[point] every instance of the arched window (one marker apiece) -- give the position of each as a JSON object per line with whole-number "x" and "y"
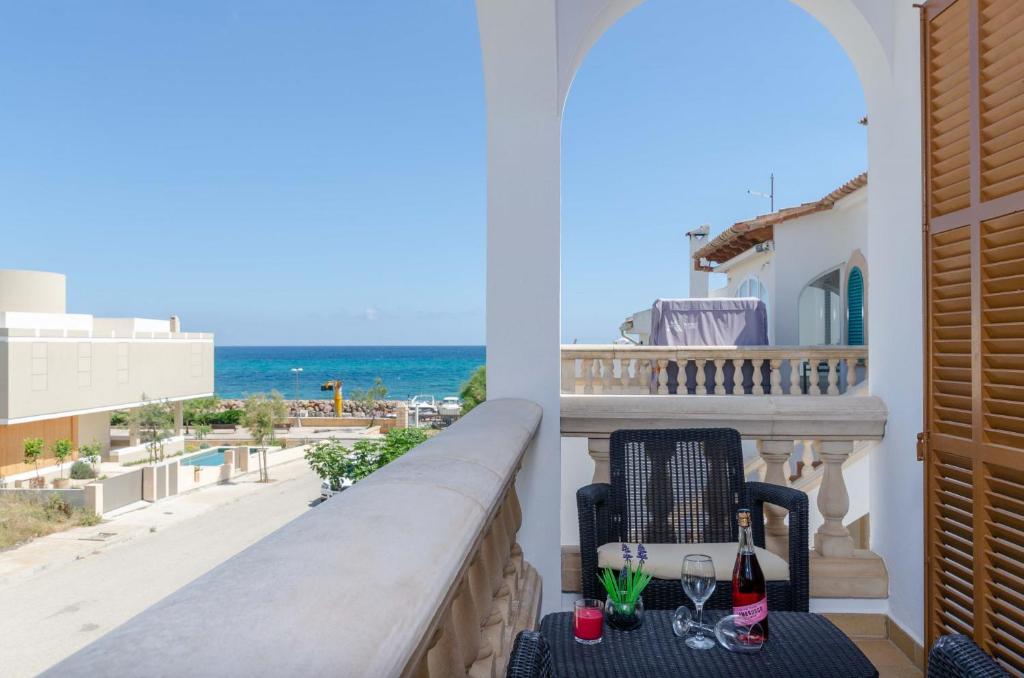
{"x": 752, "y": 287}
{"x": 819, "y": 311}
{"x": 855, "y": 308}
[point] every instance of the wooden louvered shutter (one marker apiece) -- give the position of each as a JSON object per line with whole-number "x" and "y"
{"x": 855, "y": 308}
{"x": 974, "y": 340}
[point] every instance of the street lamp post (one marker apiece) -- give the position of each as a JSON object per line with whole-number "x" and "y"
{"x": 297, "y": 371}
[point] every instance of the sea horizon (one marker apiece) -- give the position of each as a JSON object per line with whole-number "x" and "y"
{"x": 406, "y": 370}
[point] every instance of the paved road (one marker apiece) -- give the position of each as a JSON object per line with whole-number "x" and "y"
{"x": 48, "y": 616}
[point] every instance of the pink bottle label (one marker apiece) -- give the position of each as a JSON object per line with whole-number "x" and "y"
{"x": 752, "y": 613}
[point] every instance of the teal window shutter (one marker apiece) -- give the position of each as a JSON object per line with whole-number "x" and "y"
{"x": 855, "y": 308}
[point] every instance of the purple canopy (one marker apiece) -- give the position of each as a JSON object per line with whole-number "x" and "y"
{"x": 709, "y": 322}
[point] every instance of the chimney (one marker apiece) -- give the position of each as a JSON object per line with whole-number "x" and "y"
{"x": 698, "y": 279}
{"x": 175, "y": 324}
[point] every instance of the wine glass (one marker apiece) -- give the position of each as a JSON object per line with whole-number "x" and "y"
{"x": 698, "y": 579}
{"x": 737, "y": 635}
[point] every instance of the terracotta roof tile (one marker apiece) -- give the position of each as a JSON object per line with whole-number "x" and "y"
{"x": 743, "y": 235}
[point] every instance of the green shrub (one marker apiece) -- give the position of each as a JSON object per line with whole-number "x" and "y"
{"x": 227, "y": 417}
{"x": 330, "y": 460}
{"x": 474, "y": 391}
{"x": 199, "y": 410}
{"x": 119, "y": 418}
{"x": 80, "y": 470}
{"x": 58, "y": 508}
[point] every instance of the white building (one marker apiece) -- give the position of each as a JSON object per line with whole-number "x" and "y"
{"x": 806, "y": 263}
{"x": 61, "y": 374}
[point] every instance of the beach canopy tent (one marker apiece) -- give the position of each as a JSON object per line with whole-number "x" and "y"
{"x": 710, "y": 322}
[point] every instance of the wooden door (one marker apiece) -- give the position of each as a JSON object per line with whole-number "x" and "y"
{"x": 974, "y": 338}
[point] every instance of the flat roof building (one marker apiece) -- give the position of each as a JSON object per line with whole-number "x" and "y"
{"x": 61, "y": 374}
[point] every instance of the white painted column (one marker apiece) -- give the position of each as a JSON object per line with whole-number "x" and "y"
{"x": 134, "y": 438}
{"x": 519, "y": 48}
{"x": 178, "y": 408}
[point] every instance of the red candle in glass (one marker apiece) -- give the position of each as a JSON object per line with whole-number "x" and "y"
{"x": 588, "y": 621}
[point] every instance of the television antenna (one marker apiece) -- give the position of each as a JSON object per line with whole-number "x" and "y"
{"x": 770, "y": 195}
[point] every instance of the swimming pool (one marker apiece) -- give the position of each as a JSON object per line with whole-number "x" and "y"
{"x": 211, "y": 457}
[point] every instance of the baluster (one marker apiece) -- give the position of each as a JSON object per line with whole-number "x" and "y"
{"x": 662, "y": 376}
{"x": 776, "y": 455}
{"x": 776, "y": 376}
{"x": 606, "y": 375}
{"x": 587, "y": 374}
{"x": 643, "y": 366}
{"x": 812, "y": 377}
{"x": 833, "y": 540}
{"x": 701, "y": 377}
{"x": 624, "y": 374}
{"x": 833, "y": 376}
{"x": 445, "y": 655}
{"x": 568, "y": 375}
{"x": 737, "y": 377}
{"x": 851, "y": 373}
{"x": 757, "y": 389}
{"x": 719, "y": 377}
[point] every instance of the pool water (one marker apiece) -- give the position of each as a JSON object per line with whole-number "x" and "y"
{"x": 211, "y": 457}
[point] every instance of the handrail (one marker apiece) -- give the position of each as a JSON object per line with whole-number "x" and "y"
{"x": 711, "y": 370}
{"x": 412, "y": 571}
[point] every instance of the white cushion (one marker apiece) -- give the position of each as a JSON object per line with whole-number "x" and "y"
{"x": 665, "y": 561}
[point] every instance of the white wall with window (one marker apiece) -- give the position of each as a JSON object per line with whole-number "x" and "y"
{"x": 811, "y": 272}
{"x": 820, "y": 310}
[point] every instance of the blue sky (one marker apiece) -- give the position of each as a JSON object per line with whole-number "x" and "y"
{"x": 314, "y": 172}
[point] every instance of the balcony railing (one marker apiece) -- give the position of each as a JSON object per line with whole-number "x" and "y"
{"x": 785, "y": 429}
{"x": 414, "y": 571}
{"x": 711, "y": 370}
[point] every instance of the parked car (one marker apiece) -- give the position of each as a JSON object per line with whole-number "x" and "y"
{"x": 450, "y": 406}
{"x": 328, "y": 488}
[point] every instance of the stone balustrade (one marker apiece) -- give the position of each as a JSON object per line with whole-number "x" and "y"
{"x": 414, "y": 571}
{"x": 711, "y": 370}
{"x": 783, "y": 428}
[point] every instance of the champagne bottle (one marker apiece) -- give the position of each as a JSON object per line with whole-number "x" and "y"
{"x": 749, "y": 596}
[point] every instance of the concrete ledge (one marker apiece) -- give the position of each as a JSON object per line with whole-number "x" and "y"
{"x": 763, "y": 417}
{"x": 861, "y": 576}
{"x": 360, "y": 586}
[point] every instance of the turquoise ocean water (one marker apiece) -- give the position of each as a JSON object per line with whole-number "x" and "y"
{"x": 406, "y": 370}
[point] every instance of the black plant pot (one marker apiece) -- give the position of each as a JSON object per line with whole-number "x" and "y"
{"x": 624, "y": 617}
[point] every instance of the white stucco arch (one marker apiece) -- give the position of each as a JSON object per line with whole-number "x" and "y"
{"x": 531, "y": 50}
{"x": 582, "y": 23}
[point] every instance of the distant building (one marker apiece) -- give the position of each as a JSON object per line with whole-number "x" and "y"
{"x": 61, "y": 374}
{"x": 806, "y": 263}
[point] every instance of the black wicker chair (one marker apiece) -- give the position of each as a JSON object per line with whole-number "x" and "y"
{"x": 684, "y": 486}
{"x": 956, "y": 656}
{"x": 530, "y": 658}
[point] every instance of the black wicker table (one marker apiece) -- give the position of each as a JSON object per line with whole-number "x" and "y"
{"x": 801, "y": 644}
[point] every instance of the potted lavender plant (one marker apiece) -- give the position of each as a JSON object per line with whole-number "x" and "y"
{"x": 624, "y": 608}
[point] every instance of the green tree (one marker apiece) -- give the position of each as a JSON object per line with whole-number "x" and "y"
{"x": 368, "y": 398}
{"x": 33, "y": 450}
{"x": 61, "y": 451}
{"x": 260, "y": 414}
{"x": 474, "y": 391}
{"x": 332, "y": 461}
{"x": 90, "y": 452}
{"x": 199, "y": 413}
{"x": 155, "y": 421}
